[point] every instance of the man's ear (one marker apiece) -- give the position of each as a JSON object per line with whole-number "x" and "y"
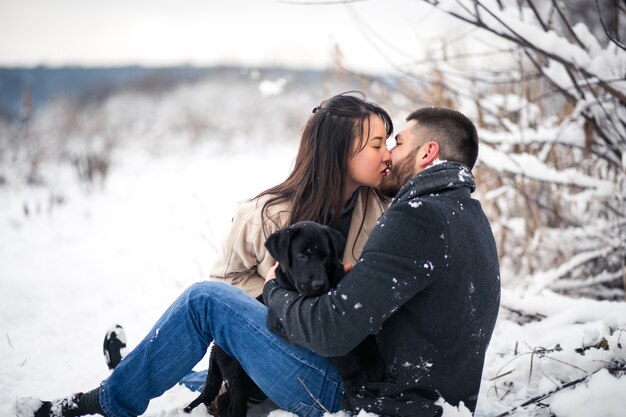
{"x": 427, "y": 154}
{"x": 277, "y": 245}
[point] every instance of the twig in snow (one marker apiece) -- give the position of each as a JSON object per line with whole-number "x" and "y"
{"x": 602, "y": 344}
{"x": 538, "y": 398}
{"x": 619, "y": 344}
{"x": 507, "y": 384}
{"x": 312, "y": 396}
{"x": 541, "y": 352}
{"x": 541, "y": 397}
{"x": 523, "y": 317}
{"x": 9, "y": 340}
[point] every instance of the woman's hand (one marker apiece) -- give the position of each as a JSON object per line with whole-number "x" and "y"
{"x": 347, "y": 267}
{"x": 271, "y": 273}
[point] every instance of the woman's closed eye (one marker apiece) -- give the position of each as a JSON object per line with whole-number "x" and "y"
{"x": 377, "y": 143}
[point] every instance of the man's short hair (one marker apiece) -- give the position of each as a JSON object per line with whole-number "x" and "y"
{"x": 455, "y": 133}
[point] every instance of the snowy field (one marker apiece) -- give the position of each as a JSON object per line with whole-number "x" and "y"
{"x": 122, "y": 254}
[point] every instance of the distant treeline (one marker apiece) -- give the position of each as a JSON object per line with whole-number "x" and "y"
{"x": 24, "y": 90}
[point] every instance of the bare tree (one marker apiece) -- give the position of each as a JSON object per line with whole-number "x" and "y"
{"x": 554, "y": 132}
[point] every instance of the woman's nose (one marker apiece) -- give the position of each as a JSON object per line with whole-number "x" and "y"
{"x": 386, "y": 155}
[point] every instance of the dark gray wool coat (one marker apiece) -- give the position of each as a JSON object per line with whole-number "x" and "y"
{"x": 427, "y": 286}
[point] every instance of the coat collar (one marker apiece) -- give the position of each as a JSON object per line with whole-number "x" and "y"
{"x": 445, "y": 176}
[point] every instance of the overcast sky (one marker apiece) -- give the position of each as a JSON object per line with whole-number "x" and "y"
{"x": 207, "y": 32}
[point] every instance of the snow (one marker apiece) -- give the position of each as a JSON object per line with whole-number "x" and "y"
{"x": 123, "y": 253}
{"x": 607, "y": 403}
{"x": 518, "y": 23}
{"x": 273, "y": 87}
{"x": 75, "y": 259}
{"x": 545, "y": 278}
{"x": 532, "y": 167}
{"x": 119, "y": 255}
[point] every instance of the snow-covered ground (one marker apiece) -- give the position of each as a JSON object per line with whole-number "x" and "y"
{"x": 123, "y": 253}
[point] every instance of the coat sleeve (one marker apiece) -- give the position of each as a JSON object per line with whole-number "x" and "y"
{"x": 402, "y": 257}
{"x": 243, "y": 260}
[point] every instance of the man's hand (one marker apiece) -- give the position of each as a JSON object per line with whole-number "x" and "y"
{"x": 271, "y": 273}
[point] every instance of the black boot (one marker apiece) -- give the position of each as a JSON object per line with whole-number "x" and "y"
{"x": 73, "y": 406}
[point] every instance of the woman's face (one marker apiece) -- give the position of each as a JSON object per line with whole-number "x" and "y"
{"x": 369, "y": 165}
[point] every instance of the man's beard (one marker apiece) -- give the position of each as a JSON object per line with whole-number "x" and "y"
{"x": 399, "y": 175}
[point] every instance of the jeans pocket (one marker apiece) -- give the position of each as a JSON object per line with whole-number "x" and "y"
{"x": 306, "y": 410}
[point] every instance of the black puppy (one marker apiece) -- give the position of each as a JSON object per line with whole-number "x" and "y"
{"x": 310, "y": 264}
{"x": 309, "y": 258}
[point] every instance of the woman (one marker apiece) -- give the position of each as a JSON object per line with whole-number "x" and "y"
{"x": 341, "y": 161}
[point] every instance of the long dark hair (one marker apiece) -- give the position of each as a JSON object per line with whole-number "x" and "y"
{"x": 316, "y": 185}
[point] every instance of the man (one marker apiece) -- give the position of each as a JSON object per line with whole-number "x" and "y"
{"x": 427, "y": 286}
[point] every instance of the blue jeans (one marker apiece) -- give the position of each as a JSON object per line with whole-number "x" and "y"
{"x": 294, "y": 378}
{"x": 194, "y": 380}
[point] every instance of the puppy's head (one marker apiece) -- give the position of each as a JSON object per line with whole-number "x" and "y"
{"x": 308, "y": 254}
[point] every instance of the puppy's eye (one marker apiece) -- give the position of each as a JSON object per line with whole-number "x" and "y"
{"x": 301, "y": 256}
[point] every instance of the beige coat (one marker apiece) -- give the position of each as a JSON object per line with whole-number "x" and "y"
{"x": 243, "y": 260}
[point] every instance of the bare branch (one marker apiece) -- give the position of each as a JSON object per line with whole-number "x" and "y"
{"x": 545, "y": 29}
{"x": 605, "y": 111}
{"x": 567, "y": 24}
{"x": 463, "y": 56}
{"x": 544, "y": 26}
{"x": 367, "y": 29}
{"x": 539, "y": 67}
{"x": 513, "y": 36}
{"x": 542, "y": 397}
{"x": 606, "y": 30}
{"x": 319, "y": 3}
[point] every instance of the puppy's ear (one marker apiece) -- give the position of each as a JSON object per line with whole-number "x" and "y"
{"x": 284, "y": 281}
{"x": 336, "y": 241}
{"x": 277, "y": 245}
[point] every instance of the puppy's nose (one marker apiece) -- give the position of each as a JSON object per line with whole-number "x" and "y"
{"x": 317, "y": 283}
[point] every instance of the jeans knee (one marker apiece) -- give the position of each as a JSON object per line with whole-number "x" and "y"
{"x": 203, "y": 291}
{"x": 198, "y": 301}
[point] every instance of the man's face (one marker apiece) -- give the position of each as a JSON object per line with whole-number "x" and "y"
{"x": 403, "y": 159}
